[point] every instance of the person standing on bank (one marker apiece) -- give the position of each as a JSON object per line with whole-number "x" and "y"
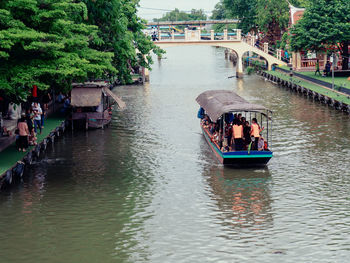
{"x": 255, "y": 132}
{"x": 37, "y": 117}
{"x": 23, "y": 133}
{"x": 317, "y": 66}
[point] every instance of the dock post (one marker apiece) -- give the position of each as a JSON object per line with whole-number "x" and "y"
{"x": 225, "y": 34}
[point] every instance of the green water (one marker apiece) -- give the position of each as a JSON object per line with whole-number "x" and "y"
{"x": 148, "y": 188}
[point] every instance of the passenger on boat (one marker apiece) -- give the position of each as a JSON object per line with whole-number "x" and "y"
{"x": 261, "y": 144}
{"x": 212, "y": 128}
{"x": 238, "y": 134}
{"x": 255, "y": 132}
{"x": 205, "y": 122}
{"x": 227, "y": 137}
{"x": 228, "y": 133}
{"x": 229, "y": 118}
{"x": 246, "y": 134}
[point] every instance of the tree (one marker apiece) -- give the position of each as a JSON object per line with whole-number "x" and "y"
{"x": 268, "y": 16}
{"x": 244, "y": 10}
{"x": 221, "y": 13}
{"x": 121, "y": 32}
{"x": 46, "y": 43}
{"x": 325, "y": 25}
{"x": 272, "y": 18}
{"x": 177, "y": 15}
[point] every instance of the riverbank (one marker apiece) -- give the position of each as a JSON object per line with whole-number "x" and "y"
{"x": 334, "y": 98}
{"x": 13, "y": 162}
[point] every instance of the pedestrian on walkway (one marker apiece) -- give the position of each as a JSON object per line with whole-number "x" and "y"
{"x": 37, "y": 117}
{"x": 327, "y": 69}
{"x": 317, "y": 66}
{"x": 23, "y": 133}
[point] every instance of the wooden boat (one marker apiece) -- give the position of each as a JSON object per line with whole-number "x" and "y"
{"x": 91, "y": 104}
{"x": 218, "y": 105}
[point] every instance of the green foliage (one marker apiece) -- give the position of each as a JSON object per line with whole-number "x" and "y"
{"x": 221, "y": 13}
{"x": 177, "y": 15}
{"x": 121, "y": 33}
{"x": 45, "y": 43}
{"x": 325, "y": 25}
{"x": 250, "y": 70}
{"x": 244, "y": 10}
{"x": 268, "y": 16}
{"x": 52, "y": 43}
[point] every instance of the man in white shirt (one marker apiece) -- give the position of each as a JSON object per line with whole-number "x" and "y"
{"x": 37, "y": 117}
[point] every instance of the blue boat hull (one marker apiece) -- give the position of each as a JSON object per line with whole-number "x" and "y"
{"x": 239, "y": 158}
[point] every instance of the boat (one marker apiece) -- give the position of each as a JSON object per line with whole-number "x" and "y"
{"x": 218, "y": 108}
{"x": 91, "y": 104}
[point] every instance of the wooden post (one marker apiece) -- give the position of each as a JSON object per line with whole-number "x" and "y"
{"x": 225, "y": 34}
{"x": 172, "y": 35}
{"x": 199, "y": 33}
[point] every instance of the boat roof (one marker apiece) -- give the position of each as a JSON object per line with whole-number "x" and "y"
{"x": 217, "y": 102}
{"x": 89, "y": 94}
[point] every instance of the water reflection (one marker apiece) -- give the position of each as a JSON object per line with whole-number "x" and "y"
{"x": 243, "y": 196}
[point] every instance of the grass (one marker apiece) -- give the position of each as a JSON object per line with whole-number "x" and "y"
{"x": 339, "y": 81}
{"x": 313, "y": 87}
{"x": 11, "y": 155}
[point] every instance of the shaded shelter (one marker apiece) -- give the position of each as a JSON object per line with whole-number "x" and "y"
{"x": 217, "y": 102}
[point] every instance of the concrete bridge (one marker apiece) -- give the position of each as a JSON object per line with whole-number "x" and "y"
{"x": 237, "y": 44}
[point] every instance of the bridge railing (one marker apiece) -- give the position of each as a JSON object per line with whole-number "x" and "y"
{"x": 195, "y": 35}
{"x": 198, "y": 35}
{"x": 266, "y": 48}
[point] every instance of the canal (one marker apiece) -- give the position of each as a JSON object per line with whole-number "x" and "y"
{"x": 148, "y": 188}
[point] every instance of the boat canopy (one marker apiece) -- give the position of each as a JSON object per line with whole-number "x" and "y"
{"x": 89, "y": 94}
{"x": 217, "y": 102}
{"x": 86, "y": 97}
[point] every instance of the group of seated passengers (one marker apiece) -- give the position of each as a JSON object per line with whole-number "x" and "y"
{"x": 238, "y": 135}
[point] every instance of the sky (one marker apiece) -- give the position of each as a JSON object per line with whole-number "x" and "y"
{"x": 185, "y": 5}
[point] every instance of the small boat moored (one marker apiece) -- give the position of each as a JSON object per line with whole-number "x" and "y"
{"x": 91, "y": 104}
{"x": 223, "y": 114}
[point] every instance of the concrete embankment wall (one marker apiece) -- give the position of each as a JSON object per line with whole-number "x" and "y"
{"x": 14, "y": 174}
{"x": 308, "y": 92}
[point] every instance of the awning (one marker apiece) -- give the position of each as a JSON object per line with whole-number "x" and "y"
{"x": 86, "y": 97}
{"x": 118, "y": 100}
{"x": 217, "y": 102}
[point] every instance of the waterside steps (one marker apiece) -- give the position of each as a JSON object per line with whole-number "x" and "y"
{"x": 337, "y": 100}
{"x": 13, "y": 163}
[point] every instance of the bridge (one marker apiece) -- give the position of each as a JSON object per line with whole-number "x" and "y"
{"x": 235, "y": 42}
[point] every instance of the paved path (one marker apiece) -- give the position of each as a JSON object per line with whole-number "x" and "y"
{"x": 11, "y": 155}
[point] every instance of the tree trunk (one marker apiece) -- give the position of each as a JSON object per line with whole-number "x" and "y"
{"x": 345, "y": 54}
